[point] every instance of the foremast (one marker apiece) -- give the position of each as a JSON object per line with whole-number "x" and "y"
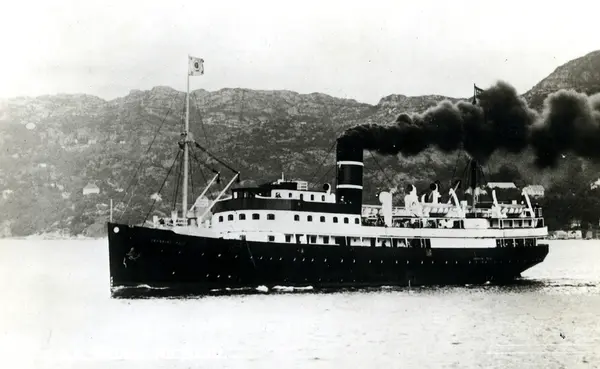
{"x": 195, "y": 68}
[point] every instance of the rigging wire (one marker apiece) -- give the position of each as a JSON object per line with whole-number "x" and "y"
{"x": 177, "y": 185}
{"x": 390, "y": 183}
{"x": 193, "y": 155}
{"x": 455, "y": 166}
{"x": 322, "y": 162}
{"x": 144, "y": 157}
{"x": 192, "y": 182}
{"x": 206, "y": 139}
{"x": 216, "y": 158}
{"x": 162, "y": 185}
{"x": 326, "y": 173}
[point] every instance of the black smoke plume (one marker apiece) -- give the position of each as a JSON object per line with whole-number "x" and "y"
{"x": 502, "y": 120}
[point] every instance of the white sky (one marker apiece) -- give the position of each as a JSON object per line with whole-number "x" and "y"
{"x": 363, "y": 50}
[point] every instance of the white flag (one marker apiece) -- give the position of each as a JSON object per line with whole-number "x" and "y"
{"x": 196, "y": 66}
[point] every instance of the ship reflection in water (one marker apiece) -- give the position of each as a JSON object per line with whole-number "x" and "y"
{"x": 57, "y": 312}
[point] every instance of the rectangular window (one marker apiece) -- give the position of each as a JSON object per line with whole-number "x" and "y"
{"x": 309, "y": 218}
{"x": 313, "y": 239}
{"x": 322, "y": 219}
{"x": 335, "y": 220}
{"x": 297, "y": 217}
{"x": 346, "y": 220}
{"x": 271, "y": 238}
{"x": 255, "y": 216}
{"x": 325, "y": 239}
{"x": 270, "y": 216}
{"x": 288, "y": 238}
{"x": 242, "y": 216}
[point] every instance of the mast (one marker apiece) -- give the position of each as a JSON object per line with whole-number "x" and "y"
{"x": 185, "y": 151}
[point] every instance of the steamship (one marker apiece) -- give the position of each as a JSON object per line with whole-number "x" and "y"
{"x": 283, "y": 233}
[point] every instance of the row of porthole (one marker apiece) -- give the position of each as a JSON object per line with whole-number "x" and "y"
{"x": 309, "y": 218}
{"x": 382, "y": 261}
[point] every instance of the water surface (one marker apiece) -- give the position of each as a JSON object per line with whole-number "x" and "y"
{"x": 56, "y": 312}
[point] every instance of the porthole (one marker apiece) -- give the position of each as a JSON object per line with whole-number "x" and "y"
{"x": 116, "y": 229}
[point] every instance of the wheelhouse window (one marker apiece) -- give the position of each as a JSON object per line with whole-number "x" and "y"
{"x": 297, "y": 217}
{"x": 270, "y": 216}
{"x": 255, "y": 216}
{"x": 335, "y": 219}
{"x": 322, "y": 219}
{"x": 242, "y": 216}
{"x": 230, "y": 217}
{"x": 309, "y": 218}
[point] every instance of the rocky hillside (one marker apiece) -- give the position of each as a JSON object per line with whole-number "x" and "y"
{"x": 51, "y": 147}
{"x": 581, "y": 74}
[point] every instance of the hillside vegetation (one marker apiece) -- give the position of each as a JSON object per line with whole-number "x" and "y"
{"x": 53, "y": 146}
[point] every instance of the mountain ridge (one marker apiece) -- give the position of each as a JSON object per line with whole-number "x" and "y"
{"x": 51, "y": 146}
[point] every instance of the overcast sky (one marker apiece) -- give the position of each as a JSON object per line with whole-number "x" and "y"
{"x": 362, "y": 50}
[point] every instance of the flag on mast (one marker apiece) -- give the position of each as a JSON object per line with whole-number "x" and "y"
{"x": 196, "y": 66}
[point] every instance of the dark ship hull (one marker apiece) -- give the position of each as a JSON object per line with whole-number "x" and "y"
{"x": 155, "y": 258}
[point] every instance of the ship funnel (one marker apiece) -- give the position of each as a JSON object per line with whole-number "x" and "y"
{"x": 349, "y": 178}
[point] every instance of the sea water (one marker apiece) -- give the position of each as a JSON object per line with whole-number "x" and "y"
{"x": 56, "y": 312}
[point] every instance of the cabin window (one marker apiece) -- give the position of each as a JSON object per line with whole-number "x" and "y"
{"x": 340, "y": 241}
{"x": 277, "y": 195}
{"x": 309, "y": 218}
{"x": 270, "y": 216}
{"x": 255, "y": 216}
{"x": 297, "y": 217}
{"x": 290, "y": 195}
{"x": 322, "y": 197}
{"x": 312, "y": 197}
{"x": 301, "y": 197}
{"x": 372, "y": 242}
{"x": 520, "y": 242}
{"x": 242, "y": 216}
{"x": 346, "y": 220}
{"x": 335, "y": 219}
{"x": 230, "y": 217}
{"x": 313, "y": 239}
{"x": 220, "y": 218}
{"x": 325, "y": 239}
{"x": 288, "y": 238}
{"x": 271, "y": 238}
{"x": 322, "y": 219}
{"x": 394, "y": 242}
{"x": 356, "y": 221}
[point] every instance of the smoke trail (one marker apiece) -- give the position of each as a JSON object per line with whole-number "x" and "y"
{"x": 502, "y": 120}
